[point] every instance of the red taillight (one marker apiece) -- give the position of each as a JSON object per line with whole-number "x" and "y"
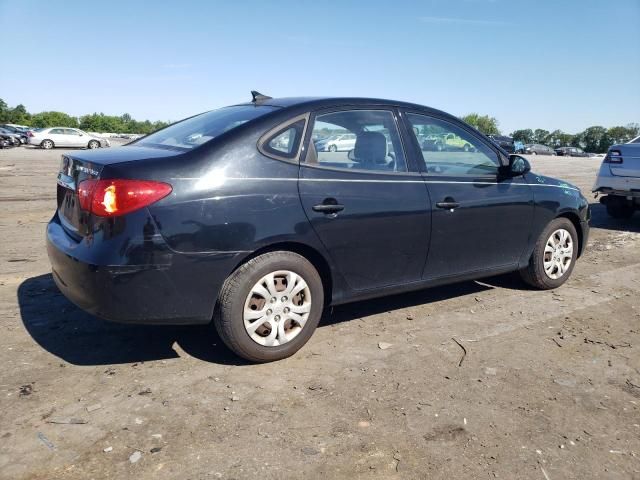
{"x": 111, "y": 198}
{"x": 29, "y": 133}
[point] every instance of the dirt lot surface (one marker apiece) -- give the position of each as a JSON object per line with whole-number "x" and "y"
{"x": 549, "y": 387}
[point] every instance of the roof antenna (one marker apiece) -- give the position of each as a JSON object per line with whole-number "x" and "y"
{"x": 258, "y": 97}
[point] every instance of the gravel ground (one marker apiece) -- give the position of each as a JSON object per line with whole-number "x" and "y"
{"x": 549, "y": 387}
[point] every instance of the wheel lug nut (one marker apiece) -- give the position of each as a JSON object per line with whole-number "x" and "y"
{"x": 273, "y": 299}
{"x": 284, "y": 299}
{"x": 286, "y": 310}
{"x": 269, "y": 312}
{"x": 277, "y": 318}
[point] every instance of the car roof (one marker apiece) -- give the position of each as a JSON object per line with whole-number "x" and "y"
{"x": 313, "y": 103}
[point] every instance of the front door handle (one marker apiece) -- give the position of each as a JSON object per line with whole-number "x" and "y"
{"x": 448, "y": 203}
{"x": 329, "y": 205}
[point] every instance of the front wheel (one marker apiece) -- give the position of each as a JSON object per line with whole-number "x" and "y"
{"x": 93, "y": 144}
{"x": 47, "y": 144}
{"x": 553, "y": 257}
{"x": 270, "y": 306}
{"x": 333, "y": 148}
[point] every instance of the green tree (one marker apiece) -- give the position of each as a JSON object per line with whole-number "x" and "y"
{"x": 558, "y": 138}
{"x": 540, "y": 136}
{"x": 595, "y": 139}
{"x": 486, "y": 124}
{"x": 53, "y": 119}
{"x": 623, "y": 134}
{"x": 19, "y": 115}
{"x": 524, "y": 136}
{"x": 4, "y": 111}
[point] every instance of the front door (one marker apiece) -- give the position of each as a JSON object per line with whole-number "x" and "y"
{"x": 480, "y": 220}
{"x": 369, "y": 209}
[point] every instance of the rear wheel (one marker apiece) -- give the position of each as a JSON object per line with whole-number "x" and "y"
{"x": 553, "y": 257}
{"x": 333, "y": 148}
{"x": 94, "y": 144}
{"x": 270, "y": 306}
{"x": 47, "y": 144}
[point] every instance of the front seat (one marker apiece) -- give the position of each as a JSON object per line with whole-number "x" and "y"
{"x": 371, "y": 151}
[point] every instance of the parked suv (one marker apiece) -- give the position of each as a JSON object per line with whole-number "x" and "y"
{"x": 619, "y": 180}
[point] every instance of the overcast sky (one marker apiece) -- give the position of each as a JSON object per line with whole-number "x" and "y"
{"x": 540, "y": 64}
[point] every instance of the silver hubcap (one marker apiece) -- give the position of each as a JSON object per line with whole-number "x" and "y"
{"x": 277, "y": 308}
{"x": 558, "y": 254}
{"x": 47, "y": 144}
{"x": 93, "y": 145}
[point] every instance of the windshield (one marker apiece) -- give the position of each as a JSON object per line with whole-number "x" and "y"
{"x": 197, "y": 130}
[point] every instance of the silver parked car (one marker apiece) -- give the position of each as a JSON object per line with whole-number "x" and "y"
{"x": 619, "y": 179}
{"x": 65, "y": 137}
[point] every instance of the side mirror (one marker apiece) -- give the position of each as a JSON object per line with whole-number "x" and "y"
{"x": 517, "y": 166}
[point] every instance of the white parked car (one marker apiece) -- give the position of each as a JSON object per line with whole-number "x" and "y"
{"x": 337, "y": 143}
{"x": 65, "y": 137}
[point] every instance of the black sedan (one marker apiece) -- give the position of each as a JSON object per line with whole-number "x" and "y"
{"x": 570, "y": 152}
{"x": 233, "y": 215}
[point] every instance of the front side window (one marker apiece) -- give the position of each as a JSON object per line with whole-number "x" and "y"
{"x": 57, "y": 131}
{"x": 449, "y": 150}
{"x": 195, "y": 131}
{"x": 357, "y": 139}
{"x": 69, "y": 131}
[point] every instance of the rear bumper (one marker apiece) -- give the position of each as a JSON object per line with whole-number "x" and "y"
{"x": 169, "y": 288}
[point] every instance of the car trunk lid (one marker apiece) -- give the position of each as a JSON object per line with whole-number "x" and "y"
{"x": 72, "y": 172}
{"x": 87, "y": 165}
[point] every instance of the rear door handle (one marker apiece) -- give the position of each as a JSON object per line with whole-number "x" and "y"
{"x": 448, "y": 203}
{"x": 329, "y": 205}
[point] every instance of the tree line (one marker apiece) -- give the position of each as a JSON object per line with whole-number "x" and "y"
{"x": 594, "y": 139}
{"x": 95, "y": 122}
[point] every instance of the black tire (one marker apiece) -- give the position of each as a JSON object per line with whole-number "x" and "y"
{"x": 47, "y": 144}
{"x": 534, "y": 274}
{"x": 619, "y": 210}
{"x": 93, "y": 144}
{"x": 467, "y": 147}
{"x": 229, "y": 319}
{"x": 534, "y": 153}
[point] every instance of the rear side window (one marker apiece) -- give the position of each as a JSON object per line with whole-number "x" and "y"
{"x": 195, "y": 131}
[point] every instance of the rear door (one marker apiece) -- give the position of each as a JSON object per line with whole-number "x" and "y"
{"x": 368, "y": 205}
{"x": 480, "y": 220}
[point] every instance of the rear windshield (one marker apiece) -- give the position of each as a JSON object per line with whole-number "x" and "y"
{"x": 197, "y": 130}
